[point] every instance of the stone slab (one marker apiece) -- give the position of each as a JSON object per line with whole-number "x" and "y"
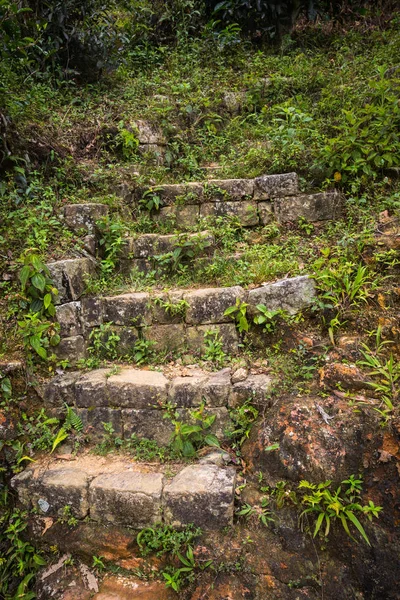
{"x": 167, "y": 338}
{"x": 135, "y": 388}
{"x": 130, "y": 498}
{"x": 71, "y": 348}
{"x": 69, "y": 277}
{"x": 68, "y": 315}
{"x": 207, "y": 305}
{"x": 312, "y": 207}
{"x": 200, "y": 494}
{"x": 292, "y": 294}
{"x": 91, "y": 389}
{"x": 50, "y": 492}
{"x": 275, "y": 186}
{"x": 150, "y": 424}
{"x": 84, "y": 216}
{"x": 182, "y": 217}
{"x": 127, "y": 309}
{"x": 245, "y": 211}
{"x": 232, "y": 189}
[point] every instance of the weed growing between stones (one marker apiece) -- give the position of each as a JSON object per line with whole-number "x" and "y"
{"x": 324, "y": 505}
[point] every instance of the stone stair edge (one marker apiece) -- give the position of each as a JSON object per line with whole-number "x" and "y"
{"x": 122, "y": 491}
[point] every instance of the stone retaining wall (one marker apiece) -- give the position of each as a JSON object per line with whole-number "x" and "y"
{"x": 135, "y": 315}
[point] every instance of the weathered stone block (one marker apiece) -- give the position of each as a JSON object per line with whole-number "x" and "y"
{"x": 183, "y": 217}
{"x": 255, "y": 388}
{"x": 149, "y": 133}
{"x": 187, "y": 391}
{"x": 91, "y": 389}
{"x": 93, "y": 419}
{"x": 71, "y": 348}
{"x": 227, "y": 332}
{"x": 164, "y": 315}
{"x": 84, "y": 216}
{"x": 232, "y": 189}
{"x": 167, "y": 338}
{"x": 199, "y": 386}
{"x": 60, "y": 390}
{"x": 130, "y": 498}
{"x": 207, "y": 305}
{"x": 313, "y": 207}
{"x": 70, "y": 277}
{"x": 133, "y": 388}
{"x": 140, "y": 264}
{"x": 150, "y": 244}
{"x": 216, "y": 391}
{"x": 68, "y": 315}
{"x": 127, "y": 309}
{"x": 245, "y": 211}
{"x": 266, "y": 213}
{"x": 292, "y": 294}
{"x": 91, "y": 312}
{"x": 275, "y": 186}
{"x": 182, "y": 193}
{"x": 52, "y": 491}
{"x": 200, "y": 494}
{"x": 150, "y": 424}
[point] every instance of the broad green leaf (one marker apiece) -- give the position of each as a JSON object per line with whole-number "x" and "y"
{"x": 357, "y": 524}
{"x": 211, "y": 440}
{"x": 47, "y": 300}
{"x": 60, "y": 437}
{"x": 24, "y": 275}
{"x": 39, "y": 281}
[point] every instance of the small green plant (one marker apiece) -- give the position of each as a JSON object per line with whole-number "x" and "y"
{"x": 127, "y": 140}
{"x": 243, "y": 418}
{"x": 264, "y": 515}
{"x": 186, "y": 250}
{"x": 213, "y": 347}
{"x": 19, "y": 559}
{"x": 269, "y": 318}
{"x": 178, "y": 577}
{"x": 173, "y": 308}
{"x": 111, "y": 241}
{"x": 188, "y": 439}
{"x": 385, "y": 372}
{"x": 72, "y": 420}
{"x": 66, "y": 516}
{"x": 238, "y": 312}
{"x": 305, "y": 226}
{"x": 342, "y": 504}
{"x": 143, "y": 351}
{"x": 162, "y": 539}
{"x": 37, "y": 286}
{"x": 104, "y": 344}
{"x": 345, "y": 285}
{"x": 39, "y": 335}
{"x": 151, "y": 200}
{"x": 97, "y": 563}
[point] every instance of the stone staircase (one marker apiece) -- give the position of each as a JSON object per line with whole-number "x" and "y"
{"x": 117, "y": 490}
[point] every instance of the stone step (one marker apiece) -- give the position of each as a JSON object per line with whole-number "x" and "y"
{"x": 152, "y": 250}
{"x": 135, "y": 401}
{"x": 118, "y": 491}
{"x": 253, "y": 202}
{"x": 175, "y": 321}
